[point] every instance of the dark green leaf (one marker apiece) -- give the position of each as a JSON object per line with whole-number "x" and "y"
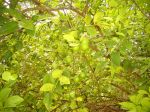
{"x": 8, "y": 28}
{"x": 13, "y": 101}
{"x": 115, "y": 58}
{"x": 4, "y": 93}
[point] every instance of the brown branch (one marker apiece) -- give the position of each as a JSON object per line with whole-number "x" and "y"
{"x": 75, "y": 9}
{"x": 36, "y": 2}
{"x": 99, "y": 29}
{"x": 85, "y": 10}
{"x": 43, "y": 9}
{"x": 49, "y": 10}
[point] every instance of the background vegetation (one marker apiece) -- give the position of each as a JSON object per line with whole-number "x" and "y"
{"x": 74, "y": 55}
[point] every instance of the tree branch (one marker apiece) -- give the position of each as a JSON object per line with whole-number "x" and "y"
{"x": 43, "y": 9}
{"x": 85, "y": 10}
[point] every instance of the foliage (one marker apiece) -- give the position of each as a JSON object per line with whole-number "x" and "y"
{"x": 7, "y": 101}
{"x": 73, "y": 55}
{"x": 138, "y": 103}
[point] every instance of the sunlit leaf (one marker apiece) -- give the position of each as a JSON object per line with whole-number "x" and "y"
{"x": 97, "y": 17}
{"x": 47, "y": 87}
{"x": 57, "y": 73}
{"x": 91, "y": 30}
{"x": 79, "y": 99}
{"x": 84, "y": 43}
{"x": 70, "y": 37}
{"x": 113, "y": 3}
{"x": 88, "y": 19}
{"x": 127, "y": 105}
{"x": 64, "y": 80}
{"x": 42, "y": 1}
{"x": 146, "y": 103}
{"x": 7, "y": 76}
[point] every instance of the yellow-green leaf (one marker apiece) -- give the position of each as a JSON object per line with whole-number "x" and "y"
{"x": 42, "y": 1}
{"x": 70, "y": 37}
{"x": 84, "y": 43}
{"x": 8, "y": 76}
{"x": 147, "y": 29}
{"x": 97, "y": 17}
{"x": 57, "y": 73}
{"x": 79, "y": 99}
{"x": 88, "y": 19}
{"x": 91, "y": 30}
{"x": 113, "y": 3}
{"x": 47, "y": 87}
{"x": 64, "y": 80}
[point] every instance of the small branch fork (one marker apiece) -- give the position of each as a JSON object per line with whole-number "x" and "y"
{"x": 44, "y": 8}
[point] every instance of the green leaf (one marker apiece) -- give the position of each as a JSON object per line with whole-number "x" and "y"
{"x": 42, "y": 1}
{"x": 64, "y": 80}
{"x": 7, "y": 76}
{"x": 79, "y": 99}
{"x": 13, "y": 101}
{"x": 97, "y": 17}
{"x": 83, "y": 110}
{"x": 120, "y": 34}
{"x": 4, "y": 93}
{"x": 142, "y": 92}
{"x": 70, "y": 37}
{"x": 88, "y": 19}
{"x": 8, "y": 28}
{"x": 115, "y": 58}
{"x": 47, "y": 87}
{"x": 84, "y": 43}
{"x": 127, "y": 105}
{"x": 113, "y": 3}
{"x": 47, "y": 79}
{"x": 47, "y": 100}
{"x": 27, "y": 24}
{"x": 146, "y": 102}
{"x": 136, "y": 98}
{"x": 91, "y": 30}
{"x": 57, "y": 73}
{"x": 147, "y": 29}
{"x": 73, "y": 105}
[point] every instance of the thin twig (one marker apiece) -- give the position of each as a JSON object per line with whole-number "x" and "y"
{"x": 85, "y": 10}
